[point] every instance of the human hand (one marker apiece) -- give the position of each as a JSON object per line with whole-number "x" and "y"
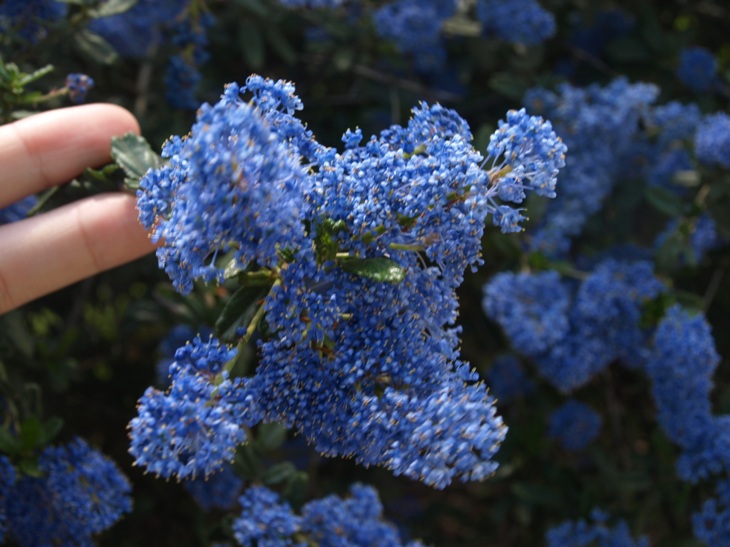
{"x": 41, "y": 254}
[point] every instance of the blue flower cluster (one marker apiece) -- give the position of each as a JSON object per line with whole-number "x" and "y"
{"x": 712, "y": 142}
{"x": 680, "y": 366}
{"x": 574, "y": 424}
{"x": 7, "y": 481}
{"x": 30, "y": 18}
{"x": 697, "y": 237}
{"x": 573, "y": 331}
{"x": 135, "y": 31}
{"x": 415, "y": 28}
{"x": 697, "y": 69}
{"x": 518, "y": 21}
{"x": 712, "y": 523}
{"x": 600, "y": 126}
{"x": 355, "y": 521}
{"x": 78, "y": 86}
{"x": 79, "y": 494}
{"x": 361, "y": 366}
{"x": 190, "y": 37}
{"x": 598, "y": 533}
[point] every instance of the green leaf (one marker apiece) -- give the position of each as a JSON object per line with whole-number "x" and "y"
{"x": 9, "y": 443}
{"x": 135, "y": 156}
{"x": 663, "y": 200}
{"x": 280, "y": 44}
{"x": 278, "y": 473}
{"x": 95, "y": 47}
{"x": 296, "y": 487}
{"x": 252, "y": 44}
{"x": 248, "y": 462}
{"x": 239, "y": 310}
{"x": 271, "y": 436}
{"x": 50, "y": 429}
{"x": 112, "y": 7}
{"x": 31, "y": 433}
{"x": 382, "y": 270}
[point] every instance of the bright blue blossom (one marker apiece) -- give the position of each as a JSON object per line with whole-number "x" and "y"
{"x": 361, "y": 368}
{"x": 574, "y": 424}
{"x": 712, "y": 142}
{"x": 78, "y": 86}
{"x": 518, "y": 21}
{"x": 80, "y": 494}
{"x": 697, "y": 69}
{"x": 355, "y": 521}
{"x": 598, "y": 533}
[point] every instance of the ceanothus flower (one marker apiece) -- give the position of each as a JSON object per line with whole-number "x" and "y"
{"x": 354, "y": 521}
{"x": 220, "y": 490}
{"x": 711, "y": 524}
{"x": 697, "y": 69}
{"x": 712, "y": 142}
{"x": 18, "y": 210}
{"x": 78, "y": 86}
{"x": 80, "y": 494}
{"x": 583, "y": 533}
{"x": 517, "y": 21}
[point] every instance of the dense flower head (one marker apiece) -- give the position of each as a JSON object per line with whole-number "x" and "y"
{"x": 193, "y": 429}
{"x": 80, "y": 494}
{"x": 78, "y": 86}
{"x": 518, "y": 21}
{"x": 135, "y": 31}
{"x": 360, "y": 365}
{"x": 415, "y": 28}
{"x": 30, "y": 17}
{"x": 532, "y": 309}
{"x": 245, "y": 198}
{"x": 584, "y": 533}
{"x": 574, "y": 424}
{"x": 680, "y": 366}
{"x": 712, "y": 142}
{"x": 600, "y": 126}
{"x": 355, "y": 521}
{"x": 697, "y": 69}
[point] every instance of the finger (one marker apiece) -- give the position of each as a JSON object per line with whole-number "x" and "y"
{"x": 44, "y": 253}
{"x": 50, "y": 148}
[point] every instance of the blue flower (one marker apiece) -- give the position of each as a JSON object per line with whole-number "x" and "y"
{"x": 220, "y": 490}
{"x": 582, "y": 533}
{"x": 697, "y": 69}
{"x": 78, "y": 86}
{"x": 18, "y": 210}
{"x": 518, "y": 21}
{"x": 80, "y": 494}
{"x": 712, "y": 142}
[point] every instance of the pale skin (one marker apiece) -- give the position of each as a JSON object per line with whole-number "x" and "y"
{"x": 44, "y": 253}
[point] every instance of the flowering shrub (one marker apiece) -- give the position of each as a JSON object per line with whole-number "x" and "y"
{"x": 431, "y": 273}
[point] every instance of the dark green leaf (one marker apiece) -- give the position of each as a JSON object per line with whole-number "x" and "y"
{"x": 252, "y": 44}
{"x": 31, "y": 433}
{"x": 95, "y": 47}
{"x": 248, "y": 462}
{"x": 112, "y": 7}
{"x": 382, "y": 270}
{"x": 50, "y": 429}
{"x": 663, "y": 200}
{"x": 279, "y": 473}
{"x": 296, "y": 487}
{"x": 280, "y": 43}
{"x": 135, "y": 156}
{"x": 271, "y": 436}
{"x": 9, "y": 443}
{"x": 239, "y": 310}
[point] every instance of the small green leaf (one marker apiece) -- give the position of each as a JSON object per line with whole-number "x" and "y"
{"x": 95, "y": 47}
{"x": 296, "y": 487}
{"x": 112, "y": 7}
{"x": 9, "y": 443}
{"x": 239, "y": 310}
{"x": 135, "y": 156}
{"x": 382, "y": 270}
{"x": 663, "y": 200}
{"x": 279, "y": 473}
{"x": 271, "y": 436}
{"x": 252, "y": 44}
{"x": 248, "y": 462}
{"x": 31, "y": 433}
{"x": 50, "y": 429}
